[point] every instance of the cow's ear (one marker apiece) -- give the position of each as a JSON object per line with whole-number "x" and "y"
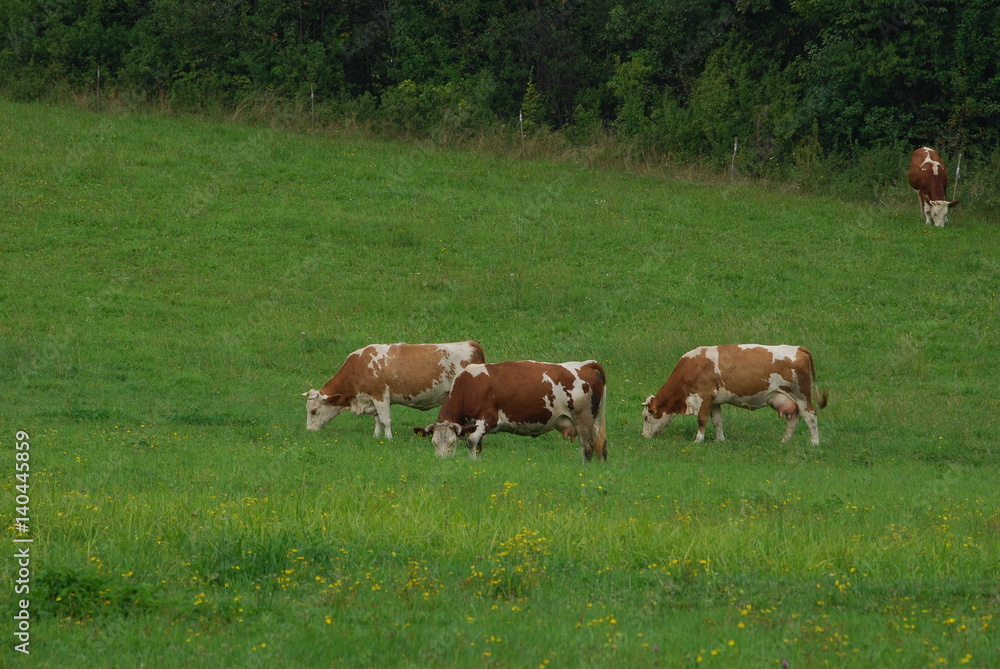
{"x": 424, "y": 431}
{"x": 466, "y": 430}
{"x": 953, "y": 203}
{"x": 332, "y": 399}
{"x": 649, "y": 401}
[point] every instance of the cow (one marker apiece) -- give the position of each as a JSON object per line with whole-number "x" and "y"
{"x": 930, "y": 179}
{"x": 377, "y": 376}
{"x": 523, "y": 397}
{"x": 746, "y": 375}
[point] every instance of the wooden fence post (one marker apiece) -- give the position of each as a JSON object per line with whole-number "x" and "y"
{"x": 732, "y": 165}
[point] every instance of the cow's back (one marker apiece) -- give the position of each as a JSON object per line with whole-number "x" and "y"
{"x": 408, "y": 370}
{"x": 518, "y": 389}
{"x": 512, "y": 381}
{"x": 522, "y": 390}
{"x": 928, "y": 175}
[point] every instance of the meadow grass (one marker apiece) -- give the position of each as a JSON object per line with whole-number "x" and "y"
{"x": 170, "y": 287}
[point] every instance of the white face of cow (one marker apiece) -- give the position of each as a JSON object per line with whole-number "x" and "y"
{"x": 937, "y": 211}
{"x": 651, "y": 425}
{"x": 444, "y": 439}
{"x": 318, "y": 412}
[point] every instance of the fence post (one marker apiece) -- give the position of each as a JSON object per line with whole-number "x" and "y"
{"x": 958, "y": 171}
{"x": 732, "y": 165}
{"x": 520, "y": 123}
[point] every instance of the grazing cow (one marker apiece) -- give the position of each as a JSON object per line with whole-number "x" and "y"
{"x": 377, "y": 376}
{"x": 524, "y": 397}
{"x": 745, "y": 375}
{"x": 930, "y": 179}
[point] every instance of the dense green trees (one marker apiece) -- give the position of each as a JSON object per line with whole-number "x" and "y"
{"x": 793, "y": 80}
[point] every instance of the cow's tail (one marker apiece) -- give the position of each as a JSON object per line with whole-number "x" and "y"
{"x": 821, "y": 395}
{"x": 600, "y": 424}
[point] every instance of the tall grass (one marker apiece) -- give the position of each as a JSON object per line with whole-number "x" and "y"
{"x": 172, "y": 285}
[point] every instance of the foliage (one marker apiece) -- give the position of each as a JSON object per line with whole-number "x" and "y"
{"x": 681, "y": 79}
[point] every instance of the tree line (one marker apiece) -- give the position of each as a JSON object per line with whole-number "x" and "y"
{"x": 796, "y": 81}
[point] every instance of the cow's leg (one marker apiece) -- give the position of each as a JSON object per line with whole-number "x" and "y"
{"x": 475, "y": 446}
{"x": 717, "y": 422}
{"x": 475, "y": 439}
{"x": 791, "y": 422}
{"x": 383, "y": 419}
{"x": 702, "y": 422}
{"x": 703, "y": 414}
{"x": 792, "y": 409}
{"x": 789, "y": 409}
{"x": 925, "y": 209}
{"x": 813, "y": 423}
{"x": 585, "y": 430}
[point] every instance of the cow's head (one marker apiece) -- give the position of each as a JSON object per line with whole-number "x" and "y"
{"x": 320, "y": 409}
{"x": 937, "y": 211}
{"x": 443, "y": 436}
{"x": 654, "y": 418}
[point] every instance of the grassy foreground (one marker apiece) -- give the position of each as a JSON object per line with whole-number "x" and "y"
{"x": 170, "y": 286}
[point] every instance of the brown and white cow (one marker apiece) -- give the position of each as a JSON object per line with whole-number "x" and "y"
{"x": 930, "y": 179}
{"x": 375, "y": 377}
{"x": 523, "y": 397}
{"x": 745, "y": 375}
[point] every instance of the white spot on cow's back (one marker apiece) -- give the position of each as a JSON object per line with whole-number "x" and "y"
{"x": 379, "y": 357}
{"x": 712, "y": 353}
{"x": 935, "y": 165}
{"x": 784, "y": 352}
{"x": 708, "y": 352}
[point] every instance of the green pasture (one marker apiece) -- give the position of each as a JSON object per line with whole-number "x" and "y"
{"x": 170, "y": 286}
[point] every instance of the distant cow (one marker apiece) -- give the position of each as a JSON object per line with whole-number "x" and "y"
{"x": 930, "y": 179}
{"x": 525, "y": 397}
{"x": 746, "y": 375}
{"x": 377, "y": 376}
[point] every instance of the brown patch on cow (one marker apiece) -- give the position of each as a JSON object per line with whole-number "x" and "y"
{"x": 747, "y": 371}
{"x": 522, "y": 391}
{"x": 410, "y": 370}
{"x": 342, "y": 386}
{"x": 930, "y": 183}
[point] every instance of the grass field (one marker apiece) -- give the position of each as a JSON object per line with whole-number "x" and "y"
{"x": 170, "y": 286}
